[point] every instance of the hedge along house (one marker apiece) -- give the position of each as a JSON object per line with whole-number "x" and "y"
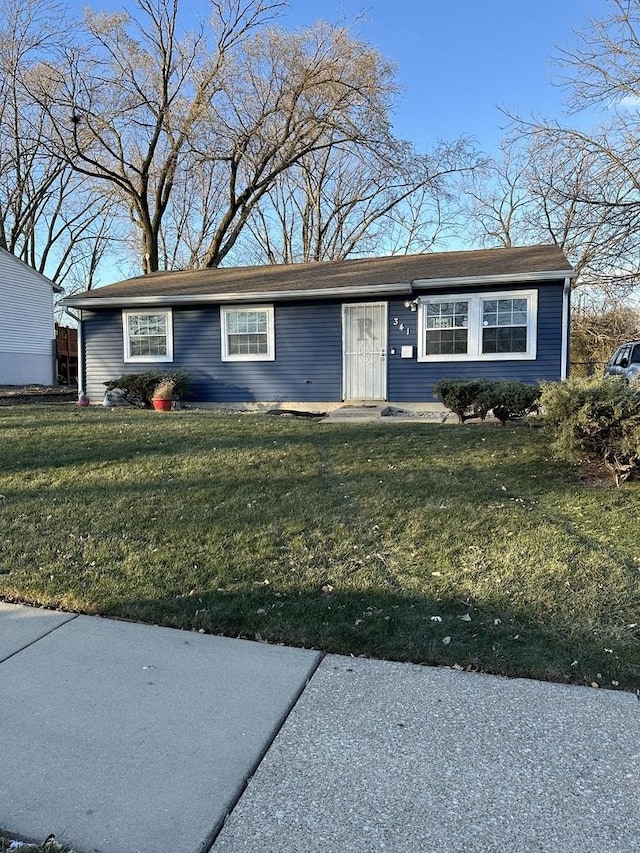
{"x": 317, "y": 334}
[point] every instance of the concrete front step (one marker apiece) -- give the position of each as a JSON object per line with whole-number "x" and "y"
{"x": 350, "y": 413}
{"x": 372, "y": 412}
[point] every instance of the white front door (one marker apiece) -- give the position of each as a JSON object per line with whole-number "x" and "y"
{"x": 364, "y": 351}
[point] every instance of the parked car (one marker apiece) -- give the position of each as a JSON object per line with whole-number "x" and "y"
{"x": 625, "y": 361}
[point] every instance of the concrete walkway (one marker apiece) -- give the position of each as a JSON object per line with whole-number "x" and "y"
{"x": 125, "y": 738}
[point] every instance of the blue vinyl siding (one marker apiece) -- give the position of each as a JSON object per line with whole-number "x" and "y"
{"x": 307, "y": 365}
{"x": 307, "y": 368}
{"x": 308, "y": 345}
{"x": 413, "y": 381}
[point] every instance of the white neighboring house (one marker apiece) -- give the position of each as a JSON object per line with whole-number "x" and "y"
{"x": 27, "y": 328}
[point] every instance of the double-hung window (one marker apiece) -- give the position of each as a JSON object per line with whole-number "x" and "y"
{"x": 504, "y": 325}
{"x": 479, "y": 326}
{"x": 247, "y": 333}
{"x": 446, "y": 327}
{"x": 148, "y": 335}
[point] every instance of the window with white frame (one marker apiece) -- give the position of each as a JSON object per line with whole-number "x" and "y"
{"x": 504, "y": 325}
{"x": 446, "y": 328}
{"x": 481, "y": 326}
{"x": 247, "y": 333}
{"x": 148, "y": 335}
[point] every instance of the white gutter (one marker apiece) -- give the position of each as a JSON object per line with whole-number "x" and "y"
{"x": 503, "y": 278}
{"x": 233, "y": 296}
{"x": 564, "y": 346}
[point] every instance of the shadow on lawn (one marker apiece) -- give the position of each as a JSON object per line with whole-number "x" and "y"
{"x": 430, "y": 474}
{"x": 95, "y": 437}
{"x": 400, "y": 628}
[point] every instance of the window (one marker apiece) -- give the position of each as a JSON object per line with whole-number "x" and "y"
{"x": 482, "y": 326}
{"x": 623, "y": 352}
{"x": 504, "y": 325}
{"x": 148, "y": 335}
{"x": 446, "y": 331}
{"x": 247, "y": 333}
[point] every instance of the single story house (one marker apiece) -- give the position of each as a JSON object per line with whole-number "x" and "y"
{"x": 319, "y": 334}
{"x": 27, "y": 330}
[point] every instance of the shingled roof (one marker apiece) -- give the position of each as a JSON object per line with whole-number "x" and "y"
{"x": 397, "y": 274}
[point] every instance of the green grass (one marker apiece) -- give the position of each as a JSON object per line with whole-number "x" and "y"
{"x": 364, "y": 539}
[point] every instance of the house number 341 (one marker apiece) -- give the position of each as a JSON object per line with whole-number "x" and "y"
{"x": 401, "y": 326}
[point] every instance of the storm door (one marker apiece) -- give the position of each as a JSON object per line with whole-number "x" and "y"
{"x": 364, "y": 351}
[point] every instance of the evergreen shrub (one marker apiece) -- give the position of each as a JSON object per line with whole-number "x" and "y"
{"x": 475, "y": 398}
{"x": 595, "y": 420}
{"x": 139, "y": 388}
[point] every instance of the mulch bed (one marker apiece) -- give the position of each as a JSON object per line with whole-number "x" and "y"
{"x": 13, "y": 395}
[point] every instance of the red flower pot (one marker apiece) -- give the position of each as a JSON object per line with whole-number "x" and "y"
{"x": 162, "y": 405}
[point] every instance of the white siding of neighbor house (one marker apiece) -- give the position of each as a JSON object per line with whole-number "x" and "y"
{"x": 27, "y": 328}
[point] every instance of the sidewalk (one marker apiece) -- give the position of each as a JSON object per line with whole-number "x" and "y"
{"x": 126, "y": 738}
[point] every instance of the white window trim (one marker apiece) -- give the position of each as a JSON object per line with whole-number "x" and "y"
{"x": 127, "y": 341}
{"x": 270, "y": 355}
{"x": 474, "y": 328}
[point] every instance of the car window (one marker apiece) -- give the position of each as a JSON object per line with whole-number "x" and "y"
{"x": 635, "y": 354}
{"x": 623, "y": 352}
{"x": 613, "y": 358}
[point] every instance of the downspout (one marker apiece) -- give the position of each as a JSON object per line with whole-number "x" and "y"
{"x": 78, "y": 320}
{"x": 564, "y": 347}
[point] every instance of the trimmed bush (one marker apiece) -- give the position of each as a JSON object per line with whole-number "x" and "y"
{"x": 465, "y": 397}
{"x": 140, "y": 387}
{"x": 475, "y": 398}
{"x": 511, "y": 400}
{"x": 595, "y": 420}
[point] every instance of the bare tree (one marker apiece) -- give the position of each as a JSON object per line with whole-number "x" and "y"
{"x": 288, "y": 98}
{"x": 549, "y": 187}
{"x": 49, "y": 217}
{"x": 128, "y": 102}
{"x": 346, "y": 199}
{"x": 597, "y": 329}
{"x": 587, "y": 204}
{"x": 586, "y": 183}
{"x": 496, "y": 196}
{"x": 603, "y": 69}
{"x": 190, "y": 138}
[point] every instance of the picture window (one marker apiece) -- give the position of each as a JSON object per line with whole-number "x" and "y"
{"x": 478, "y": 327}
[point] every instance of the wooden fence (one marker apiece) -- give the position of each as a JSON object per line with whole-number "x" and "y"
{"x": 66, "y": 355}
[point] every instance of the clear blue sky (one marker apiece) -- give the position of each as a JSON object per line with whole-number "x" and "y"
{"x": 459, "y": 60}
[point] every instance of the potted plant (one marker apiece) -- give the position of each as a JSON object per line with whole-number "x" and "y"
{"x": 162, "y": 397}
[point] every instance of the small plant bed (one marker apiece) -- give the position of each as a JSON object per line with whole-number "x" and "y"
{"x": 143, "y": 389}
{"x": 422, "y": 542}
{"x": 13, "y": 395}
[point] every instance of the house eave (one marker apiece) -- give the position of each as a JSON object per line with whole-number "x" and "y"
{"x": 505, "y": 278}
{"x": 235, "y": 297}
{"x": 354, "y": 291}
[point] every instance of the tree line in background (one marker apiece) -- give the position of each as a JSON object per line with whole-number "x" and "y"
{"x": 143, "y": 140}
{"x": 131, "y": 136}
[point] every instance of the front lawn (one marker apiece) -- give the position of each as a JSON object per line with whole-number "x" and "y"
{"x": 464, "y": 546}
